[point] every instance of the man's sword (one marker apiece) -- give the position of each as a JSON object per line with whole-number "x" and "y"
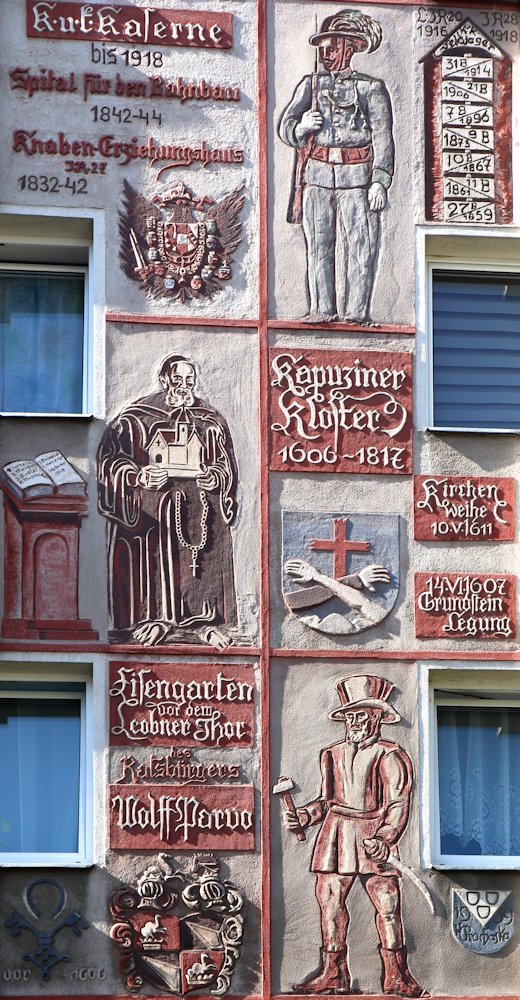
{"x": 395, "y": 862}
{"x": 417, "y": 881}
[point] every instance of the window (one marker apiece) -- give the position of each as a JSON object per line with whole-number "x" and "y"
{"x": 50, "y": 320}
{"x": 476, "y": 349}
{"x": 45, "y": 748}
{"x": 467, "y": 372}
{"x": 472, "y": 816}
{"x": 42, "y": 340}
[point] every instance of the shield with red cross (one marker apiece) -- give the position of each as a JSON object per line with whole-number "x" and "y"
{"x": 340, "y": 572}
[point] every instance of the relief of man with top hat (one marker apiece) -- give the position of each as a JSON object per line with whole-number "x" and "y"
{"x": 363, "y": 810}
{"x": 340, "y": 122}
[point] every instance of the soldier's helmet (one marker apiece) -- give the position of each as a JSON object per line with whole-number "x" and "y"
{"x": 359, "y": 28}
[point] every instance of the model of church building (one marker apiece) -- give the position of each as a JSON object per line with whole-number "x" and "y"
{"x": 179, "y": 450}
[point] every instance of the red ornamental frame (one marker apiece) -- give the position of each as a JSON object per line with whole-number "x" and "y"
{"x": 263, "y": 652}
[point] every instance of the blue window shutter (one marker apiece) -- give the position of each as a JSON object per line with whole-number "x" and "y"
{"x": 476, "y": 350}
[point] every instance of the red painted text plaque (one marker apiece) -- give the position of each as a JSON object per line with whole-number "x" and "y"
{"x": 188, "y": 705}
{"x": 341, "y": 411}
{"x": 468, "y": 101}
{"x": 154, "y": 817}
{"x": 465, "y": 606}
{"x": 201, "y": 29}
{"x": 463, "y": 509}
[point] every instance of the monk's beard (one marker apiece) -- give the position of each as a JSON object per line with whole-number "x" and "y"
{"x": 175, "y": 398}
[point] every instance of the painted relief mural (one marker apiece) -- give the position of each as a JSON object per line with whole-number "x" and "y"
{"x": 167, "y": 485}
{"x": 482, "y": 919}
{"x": 187, "y": 254}
{"x": 467, "y": 79}
{"x": 44, "y": 501}
{"x": 340, "y": 123}
{"x": 278, "y": 649}
{"x": 47, "y": 920}
{"x": 322, "y": 592}
{"x": 362, "y": 812}
{"x": 192, "y": 950}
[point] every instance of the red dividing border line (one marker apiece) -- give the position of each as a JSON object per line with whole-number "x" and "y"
{"x": 22, "y": 646}
{"x": 385, "y": 330}
{"x": 263, "y": 414}
{"x": 151, "y": 320}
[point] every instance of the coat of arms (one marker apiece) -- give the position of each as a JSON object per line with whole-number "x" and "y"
{"x": 340, "y": 573}
{"x": 186, "y": 255}
{"x": 482, "y": 919}
{"x": 178, "y": 930}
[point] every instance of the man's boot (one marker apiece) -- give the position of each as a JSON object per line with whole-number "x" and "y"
{"x": 397, "y": 977}
{"x": 332, "y": 976}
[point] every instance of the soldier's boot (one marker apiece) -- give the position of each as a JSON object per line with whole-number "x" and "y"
{"x": 397, "y": 978}
{"x": 332, "y": 976}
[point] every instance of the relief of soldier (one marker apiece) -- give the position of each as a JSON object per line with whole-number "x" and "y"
{"x": 340, "y": 123}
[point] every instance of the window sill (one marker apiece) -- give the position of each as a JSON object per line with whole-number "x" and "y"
{"x": 46, "y": 861}
{"x": 471, "y": 430}
{"x": 51, "y": 416}
{"x": 486, "y": 863}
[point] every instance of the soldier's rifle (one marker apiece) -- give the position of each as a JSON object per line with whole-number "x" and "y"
{"x": 296, "y": 206}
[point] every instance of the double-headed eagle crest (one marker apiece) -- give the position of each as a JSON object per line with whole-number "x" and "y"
{"x": 186, "y": 255}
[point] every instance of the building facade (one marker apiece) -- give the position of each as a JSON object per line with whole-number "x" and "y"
{"x": 260, "y": 333}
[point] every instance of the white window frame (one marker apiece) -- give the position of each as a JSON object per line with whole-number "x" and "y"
{"x": 94, "y": 326}
{"x": 90, "y": 671}
{"x": 497, "y": 258}
{"x": 439, "y": 684}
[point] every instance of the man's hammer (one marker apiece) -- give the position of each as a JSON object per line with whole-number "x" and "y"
{"x": 283, "y": 787}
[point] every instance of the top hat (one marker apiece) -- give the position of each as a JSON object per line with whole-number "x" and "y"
{"x": 365, "y": 691}
{"x": 352, "y": 24}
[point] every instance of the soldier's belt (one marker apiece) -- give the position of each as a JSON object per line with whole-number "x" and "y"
{"x": 342, "y": 154}
{"x": 349, "y": 813}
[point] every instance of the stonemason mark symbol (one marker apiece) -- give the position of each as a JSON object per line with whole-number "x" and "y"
{"x": 482, "y": 920}
{"x": 187, "y": 255}
{"x": 362, "y": 812}
{"x": 351, "y": 582}
{"x": 194, "y": 949}
{"x": 45, "y": 955}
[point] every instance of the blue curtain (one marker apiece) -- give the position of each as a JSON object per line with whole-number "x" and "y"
{"x": 40, "y": 751}
{"x": 41, "y": 342}
{"x": 479, "y": 780}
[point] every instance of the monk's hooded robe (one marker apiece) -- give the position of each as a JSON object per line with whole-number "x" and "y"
{"x": 151, "y": 576}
